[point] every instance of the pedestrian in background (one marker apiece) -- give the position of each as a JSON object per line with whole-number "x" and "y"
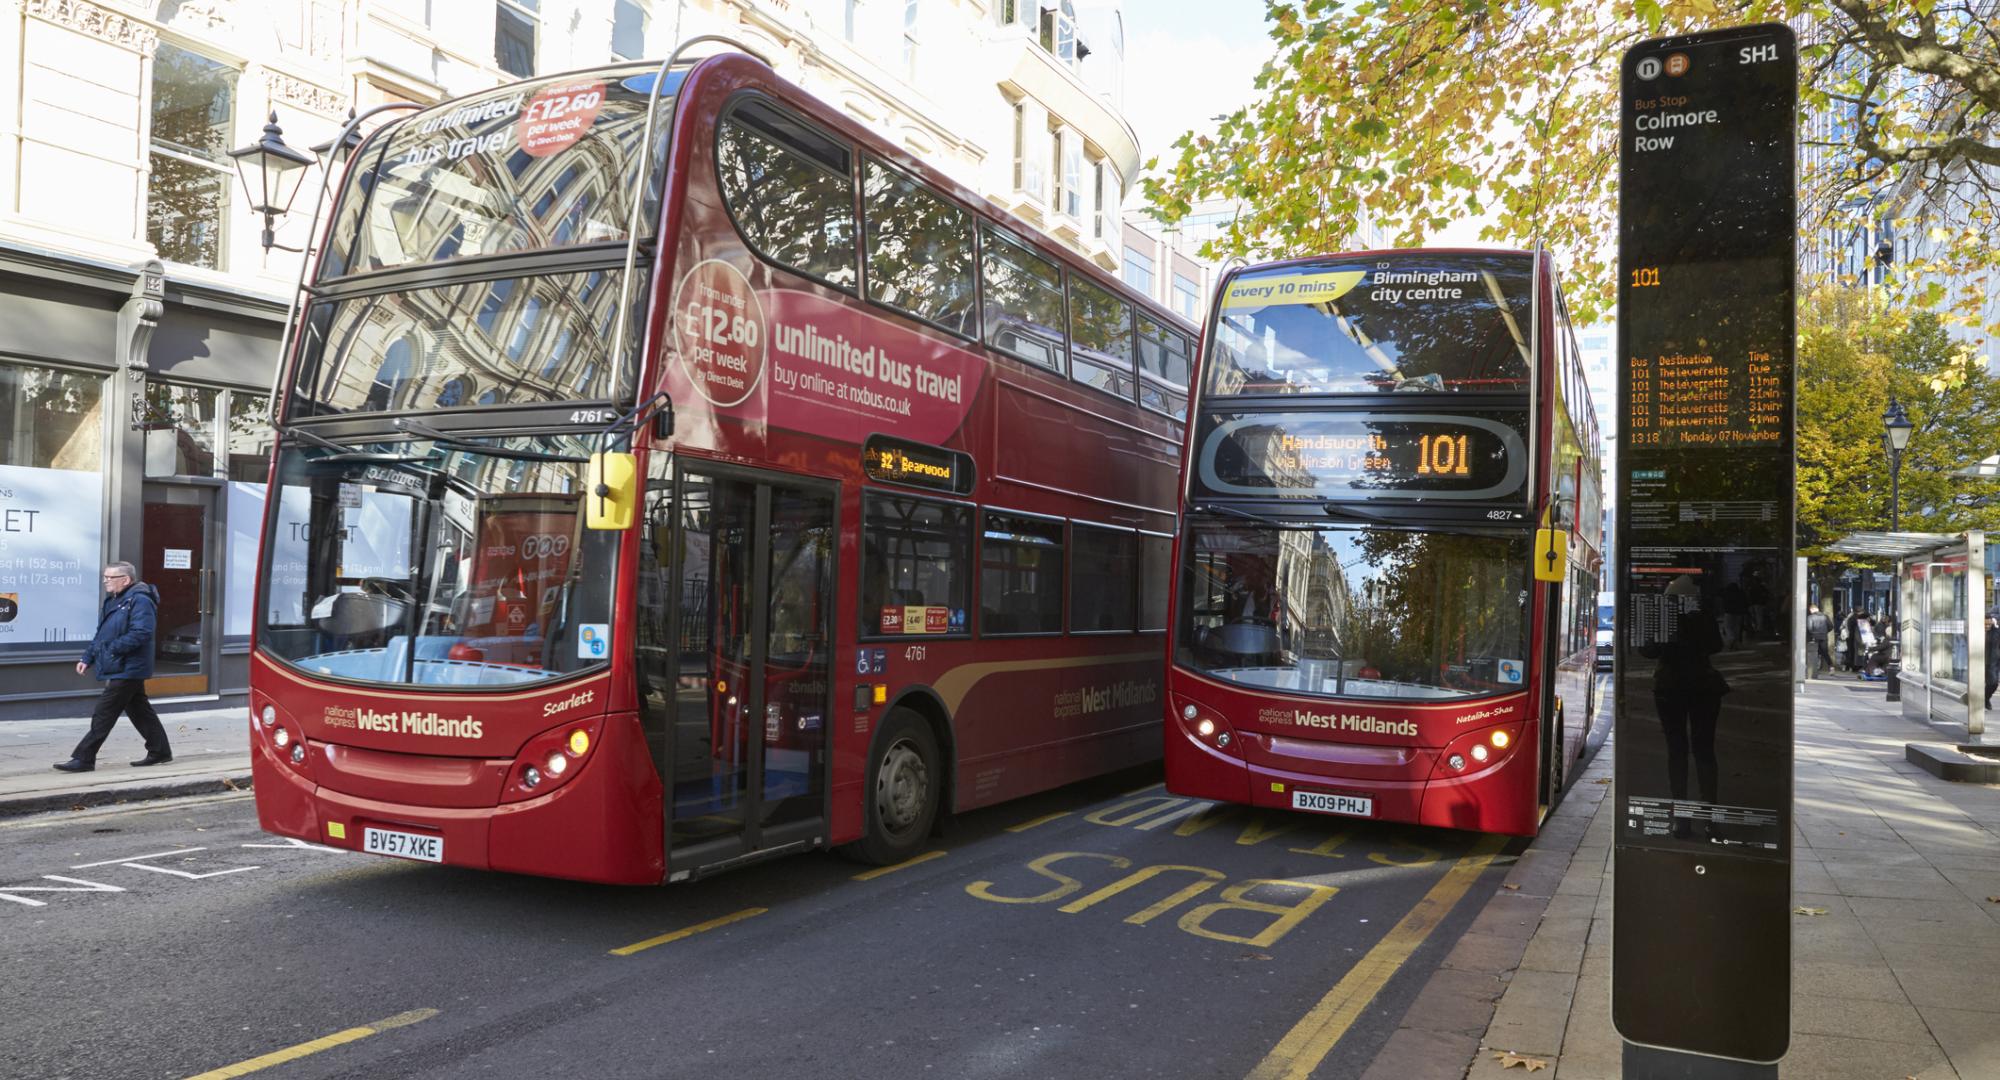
{"x": 1818, "y": 626}
{"x": 122, "y": 652}
{"x": 1992, "y": 654}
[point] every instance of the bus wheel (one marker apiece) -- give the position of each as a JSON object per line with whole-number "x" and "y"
{"x": 902, "y": 790}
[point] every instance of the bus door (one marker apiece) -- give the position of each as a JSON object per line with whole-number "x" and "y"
{"x": 741, "y": 717}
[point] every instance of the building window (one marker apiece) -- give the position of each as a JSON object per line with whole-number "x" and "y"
{"x": 194, "y": 110}
{"x": 514, "y": 30}
{"x": 910, "y": 40}
{"x": 1109, "y": 196}
{"x": 1138, "y": 270}
{"x": 1019, "y": 13}
{"x": 850, "y": 14}
{"x": 914, "y": 566}
{"x": 1059, "y": 32}
{"x": 1187, "y": 298}
{"x": 1066, "y": 151}
{"x": 629, "y": 19}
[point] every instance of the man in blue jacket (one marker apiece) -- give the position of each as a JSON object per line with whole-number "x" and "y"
{"x": 122, "y": 652}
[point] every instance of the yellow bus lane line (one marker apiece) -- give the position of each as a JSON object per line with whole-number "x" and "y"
{"x": 1314, "y": 1036}
{"x": 324, "y": 1042}
{"x": 871, "y": 875}
{"x": 1043, "y": 820}
{"x": 689, "y": 931}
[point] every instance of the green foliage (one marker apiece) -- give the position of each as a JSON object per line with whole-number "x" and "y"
{"x": 1409, "y": 114}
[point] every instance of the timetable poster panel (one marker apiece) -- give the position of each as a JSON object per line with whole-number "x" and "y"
{"x": 1706, "y": 293}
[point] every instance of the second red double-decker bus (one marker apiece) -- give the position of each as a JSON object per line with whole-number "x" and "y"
{"x": 673, "y": 473}
{"x": 1391, "y": 456}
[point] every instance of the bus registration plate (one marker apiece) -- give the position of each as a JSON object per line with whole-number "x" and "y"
{"x": 1324, "y": 803}
{"x": 403, "y": 845}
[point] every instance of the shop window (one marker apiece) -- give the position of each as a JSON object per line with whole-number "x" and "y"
{"x": 1023, "y": 299}
{"x": 789, "y": 191}
{"x": 1100, "y": 339}
{"x": 919, "y": 250}
{"x": 1020, "y": 575}
{"x": 51, "y": 450}
{"x": 180, "y": 423}
{"x": 1104, "y": 571}
{"x": 188, "y": 191}
{"x": 914, "y": 566}
{"x": 247, "y": 436}
{"x": 50, "y": 419}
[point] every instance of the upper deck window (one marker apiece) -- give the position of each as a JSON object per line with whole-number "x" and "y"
{"x": 919, "y": 250}
{"x": 790, "y": 192}
{"x": 1423, "y": 321}
{"x": 534, "y": 166}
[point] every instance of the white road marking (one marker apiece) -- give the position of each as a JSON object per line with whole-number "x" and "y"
{"x": 88, "y": 886}
{"x": 136, "y": 858}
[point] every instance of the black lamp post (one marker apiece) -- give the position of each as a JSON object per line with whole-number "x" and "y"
{"x": 1896, "y": 428}
{"x": 335, "y": 156}
{"x": 272, "y": 172}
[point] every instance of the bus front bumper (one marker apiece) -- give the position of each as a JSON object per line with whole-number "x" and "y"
{"x": 604, "y": 825}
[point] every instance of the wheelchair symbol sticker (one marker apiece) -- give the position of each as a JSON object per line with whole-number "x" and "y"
{"x": 593, "y": 641}
{"x": 1510, "y": 671}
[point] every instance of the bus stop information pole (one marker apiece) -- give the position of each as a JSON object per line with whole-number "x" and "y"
{"x": 1701, "y": 945}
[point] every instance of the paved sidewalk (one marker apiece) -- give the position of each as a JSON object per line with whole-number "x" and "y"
{"x": 211, "y": 753}
{"x": 1900, "y": 977}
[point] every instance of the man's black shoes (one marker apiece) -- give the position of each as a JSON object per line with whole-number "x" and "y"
{"x": 76, "y": 765}
{"x": 149, "y": 759}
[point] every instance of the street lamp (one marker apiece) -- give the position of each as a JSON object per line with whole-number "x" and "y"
{"x": 1896, "y": 428}
{"x": 279, "y": 171}
{"x": 335, "y": 156}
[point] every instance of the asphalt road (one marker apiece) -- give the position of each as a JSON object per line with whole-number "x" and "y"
{"x": 1104, "y": 930}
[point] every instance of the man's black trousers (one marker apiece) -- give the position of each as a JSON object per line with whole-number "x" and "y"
{"x": 123, "y": 696}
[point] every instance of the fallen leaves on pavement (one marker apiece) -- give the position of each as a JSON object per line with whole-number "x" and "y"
{"x": 1512, "y": 1060}
{"x": 1804, "y": 910}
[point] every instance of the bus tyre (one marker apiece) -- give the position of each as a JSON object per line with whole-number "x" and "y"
{"x": 902, "y": 793}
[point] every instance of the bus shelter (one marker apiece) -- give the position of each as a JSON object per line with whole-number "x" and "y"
{"x": 1942, "y": 593}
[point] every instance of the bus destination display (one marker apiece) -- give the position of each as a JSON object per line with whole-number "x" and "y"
{"x": 1362, "y": 455}
{"x": 914, "y": 464}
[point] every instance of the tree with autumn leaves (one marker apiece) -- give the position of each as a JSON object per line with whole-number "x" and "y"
{"x": 1410, "y": 114}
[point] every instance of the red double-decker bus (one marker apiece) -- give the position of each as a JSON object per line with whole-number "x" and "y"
{"x": 1389, "y": 543}
{"x": 673, "y": 473}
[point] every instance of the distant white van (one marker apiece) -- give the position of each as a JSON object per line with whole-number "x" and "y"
{"x": 1606, "y": 601}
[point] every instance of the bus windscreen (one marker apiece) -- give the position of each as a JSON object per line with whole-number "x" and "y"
{"x": 535, "y": 166}
{"x": 1423, "y": 321}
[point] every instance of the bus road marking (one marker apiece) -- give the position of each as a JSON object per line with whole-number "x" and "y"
{"x": 136, "y": 858}
{"x": 324, "y": 1042}
{"x": 8, "y": 892}
{"x": 1285, "y": 917}
{"x": 688, "y": 932}
{"x": 1043, "y": 820}
{"x": 1143, "y": 790}
{"x": 871, "y": 875}
{"x": 1314, "y": 1036}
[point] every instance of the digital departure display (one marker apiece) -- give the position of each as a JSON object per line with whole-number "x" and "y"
{"x": 1706, "y": 496}
{"x": 914, "y": 464}
{"x": 1343, "y": 455}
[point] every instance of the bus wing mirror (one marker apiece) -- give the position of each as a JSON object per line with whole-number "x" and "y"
{"x": 611, "y": 491}
{"x": 1551, "y": 554}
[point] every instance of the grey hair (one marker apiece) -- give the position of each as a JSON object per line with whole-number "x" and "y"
{"x": 131, "y": 572}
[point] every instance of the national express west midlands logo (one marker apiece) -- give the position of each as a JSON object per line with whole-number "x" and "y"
{"x": 411, "y": 722}
{"x": 1373, "y": 725}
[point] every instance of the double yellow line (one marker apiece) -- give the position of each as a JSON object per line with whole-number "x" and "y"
{"x": 1314, "y": 1036}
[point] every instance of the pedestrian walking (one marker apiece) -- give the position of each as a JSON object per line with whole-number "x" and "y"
{"x": 1818, "y": 626}
{"x": 1992, "y": 654}
{"x": 122, "y": 653}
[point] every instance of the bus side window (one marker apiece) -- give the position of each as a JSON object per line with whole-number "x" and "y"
{"x": 1103, "y": 580}
{"x": 1021, "y": 575}
{"x": 1024, "y": 300}
{"x": 915, "y": 566}
{"x": 788, "y": 190}
{"x": 919, "y": 250}
{"x": 1163, "y": 368}
{"x": 1100, "y": 339}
